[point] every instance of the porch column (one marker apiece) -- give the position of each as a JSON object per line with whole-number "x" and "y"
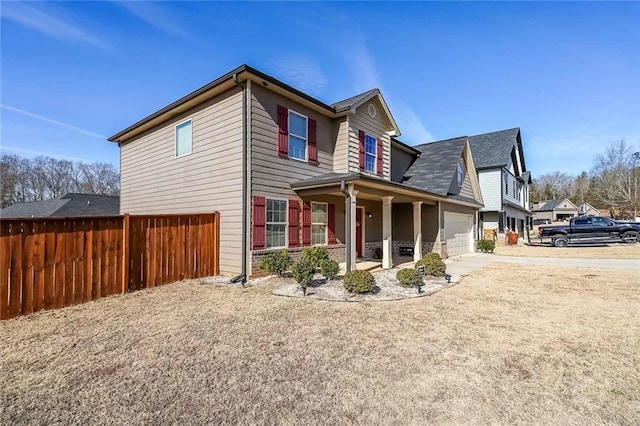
{"x": 351, "y": 217}
{"x": 387, "y": 245}
{"x": 417, "y": 230}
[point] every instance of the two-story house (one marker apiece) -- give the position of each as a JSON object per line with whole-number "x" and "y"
{"x": 287, "y": 171}
{"x": 504, "y": 181}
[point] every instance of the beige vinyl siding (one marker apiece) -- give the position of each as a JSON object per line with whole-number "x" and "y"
{"x": 271, "y": 175}
{"x": 209, "y": 179}
{"x": 377, "y": 127}
{"x": 342, "y": 148}
{"x": 467, "y": 189}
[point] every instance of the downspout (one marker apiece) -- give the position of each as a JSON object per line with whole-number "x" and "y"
{"x": 347, "y": 213}
{"x": 242, "y": 277}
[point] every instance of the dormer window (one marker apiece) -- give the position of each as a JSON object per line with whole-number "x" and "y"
{"x": 460, "y": 174}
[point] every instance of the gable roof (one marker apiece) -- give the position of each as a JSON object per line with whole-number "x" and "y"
{"x": 494, "y": 149}
{"x": 232, "y": 79}
{"x": 585, "y": 207}
{"x": 435, "y": 167}
{"x": 553, "y": 204}
{"x": 66, "y": 205}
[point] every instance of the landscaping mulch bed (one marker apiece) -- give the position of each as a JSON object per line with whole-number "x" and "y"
{"x": 387, "y": 288}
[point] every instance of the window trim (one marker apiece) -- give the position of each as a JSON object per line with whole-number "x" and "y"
{"x": 267, "y": 223}
{"x": 175, "y": 137}
{"x": 326, "y": 224}
{"x": 289, "y": 133}
{"x": 375, "y": 155}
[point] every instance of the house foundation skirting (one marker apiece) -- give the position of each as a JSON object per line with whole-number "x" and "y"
{"x": 337, "y": 252}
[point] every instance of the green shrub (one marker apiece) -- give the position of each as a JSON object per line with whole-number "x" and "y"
{"x": 432, "y": 256}
{"x": 329, "y": 268}
{"x": 409, "y": 277}
{"x": 359, "y": 281}
{"x": 433, "y": 265}
{"x": 486, "y": 246}
{"x": 316, "y": 255}
{"x": 276, "y": 263}
{"x": 303, "y": 273}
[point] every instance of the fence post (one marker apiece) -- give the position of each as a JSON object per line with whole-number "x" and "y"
{"x": 126, "y": 264}
{"x": 216, "y": 243}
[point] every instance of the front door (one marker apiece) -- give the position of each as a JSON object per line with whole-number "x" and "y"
{"x": 359, "y": 230}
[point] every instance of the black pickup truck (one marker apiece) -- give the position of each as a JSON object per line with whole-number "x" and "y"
{"x": 591, "y": 229}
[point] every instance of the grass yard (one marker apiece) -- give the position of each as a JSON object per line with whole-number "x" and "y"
{"x": 611, "y": 251}
{"x": 509, "y": 344}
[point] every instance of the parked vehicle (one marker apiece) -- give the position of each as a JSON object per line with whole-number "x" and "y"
{"x": 593, "y": 228}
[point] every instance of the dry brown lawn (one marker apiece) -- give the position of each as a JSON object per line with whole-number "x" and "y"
{"x": 611, "y": 251}
{"x": 509, "y": 344}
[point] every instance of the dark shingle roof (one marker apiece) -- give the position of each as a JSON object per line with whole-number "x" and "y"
{"x": 493, "y": 149}
{"x": 67, "y": 205}
{"x": 436, "y": 166}
{"x": 349, "y": 102}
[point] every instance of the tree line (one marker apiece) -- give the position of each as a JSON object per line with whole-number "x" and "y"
{"x": 41, "y": 178}
{"x": 611, "y": 183}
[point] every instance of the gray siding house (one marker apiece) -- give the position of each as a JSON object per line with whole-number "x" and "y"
{"x": 556, "y": 210}
{"x": 504, "y": 181}
{"x": 286, "y": 170}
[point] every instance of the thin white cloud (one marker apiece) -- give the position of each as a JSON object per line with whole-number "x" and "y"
{"x": 365, "y": 76}
{"x": 51, "y": 120}
{"x": 413, "y": 129}
{"x": 363, "y": 66}
{"x": 49, "y": 24}
{"x": 154, "y": 15}
{"x": 36, "y": 153}
{"x": 301, "y": 72}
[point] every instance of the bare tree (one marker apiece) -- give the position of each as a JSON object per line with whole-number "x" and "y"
{"x": 45, "y": 177}
{"x": 612, "y": 177}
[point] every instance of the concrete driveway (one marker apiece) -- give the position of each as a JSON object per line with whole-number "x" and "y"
{"x": 467, "y": 263}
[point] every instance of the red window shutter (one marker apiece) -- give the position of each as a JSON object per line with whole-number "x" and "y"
{"x": 294, "y": 223}
{"x": 331, "y": 223}
{"x": 259, "y": 217}
{"x": 379, "y": 157}
{"x": 306, "y": 223}
{"x": 362, "y": 149}
{"x": 283, "y": 131}
{"x": 312, "y": 144}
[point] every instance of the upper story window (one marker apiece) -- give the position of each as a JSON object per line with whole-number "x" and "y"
{"x": 318, "y": 223}
{"x": 184, "y": 136}
{"x": 506, "y": 183}
{"x": 276, "y": 223}
{"x": 370, "y": 146}
{"x": 297, "y": 136}
{"x": 460, "y": 174}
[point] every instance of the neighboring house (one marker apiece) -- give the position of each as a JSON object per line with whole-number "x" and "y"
{"x": 66, "y": 205}
{"x": 587, "y": 209}
{"x": 286, "y": 170}
{"x": 504, "y": 181}
{"x": 556, "y": 210}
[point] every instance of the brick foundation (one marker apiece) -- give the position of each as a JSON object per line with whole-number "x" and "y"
{"x": 337, "y": 252}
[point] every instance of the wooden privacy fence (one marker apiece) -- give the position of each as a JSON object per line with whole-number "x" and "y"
{"x": 48, "y": 263}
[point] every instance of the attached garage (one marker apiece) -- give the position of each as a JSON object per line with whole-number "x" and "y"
{"x": 458, "y": 231}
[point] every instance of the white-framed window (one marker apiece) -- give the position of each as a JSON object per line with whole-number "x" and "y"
{"x": 460, "y": 174}
{"x": 370, "y": 147}
{"x": 184, "y": 137}
{"x": 318, "y": 223}
{"x": 276, "y": 223}
{"x": 297, "y": 136}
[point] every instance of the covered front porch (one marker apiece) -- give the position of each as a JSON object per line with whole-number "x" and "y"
{"x": 381, "y": 224}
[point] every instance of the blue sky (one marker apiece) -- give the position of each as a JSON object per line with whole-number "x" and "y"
{"x": 567, "y": 74}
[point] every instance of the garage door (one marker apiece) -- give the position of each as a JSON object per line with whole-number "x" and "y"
{"x": 458, "y": 229}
